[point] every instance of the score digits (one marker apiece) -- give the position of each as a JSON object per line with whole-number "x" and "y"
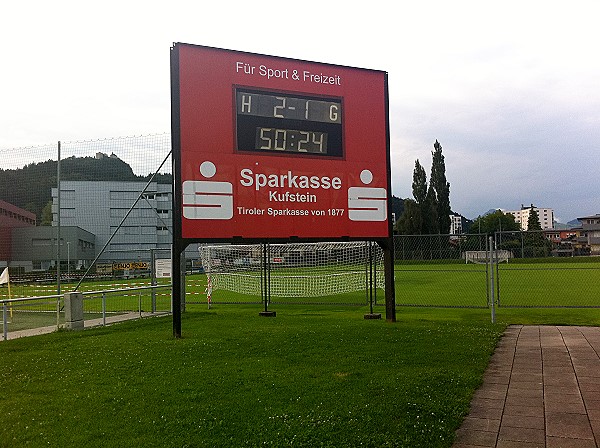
{"x": 291, "y": 123}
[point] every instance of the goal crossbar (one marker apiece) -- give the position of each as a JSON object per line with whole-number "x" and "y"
{"x": 295, "y": 269}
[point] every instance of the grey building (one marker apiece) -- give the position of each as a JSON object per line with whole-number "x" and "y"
{"x": 99, "y": 207}
{"x": 35, "y": 249}
{"x": 591, "y": 232}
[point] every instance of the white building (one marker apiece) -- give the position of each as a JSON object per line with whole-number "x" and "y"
{"x": 545, "y": 215}
{"x": 456, "y": 225}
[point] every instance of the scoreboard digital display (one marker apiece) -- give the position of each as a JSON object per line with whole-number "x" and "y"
{"x": 268, "y": 148}
{"x": 281, "y": 122}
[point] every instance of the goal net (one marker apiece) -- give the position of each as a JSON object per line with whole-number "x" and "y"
{"x": 295, "y": 269}
{"x": 483, "y": 256}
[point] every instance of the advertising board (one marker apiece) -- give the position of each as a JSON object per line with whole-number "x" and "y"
{"x": 274, "y": 148}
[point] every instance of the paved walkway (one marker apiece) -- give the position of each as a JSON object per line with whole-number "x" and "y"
{"x": 88, "y": 323}
{"x": 541, "y": 389}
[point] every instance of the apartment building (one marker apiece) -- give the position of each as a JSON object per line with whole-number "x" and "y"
{"x": 545, "y": 216}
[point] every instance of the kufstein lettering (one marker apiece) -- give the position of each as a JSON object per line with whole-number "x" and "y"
{"x": 291, "y": 197}
{"x": 289, "y": 180}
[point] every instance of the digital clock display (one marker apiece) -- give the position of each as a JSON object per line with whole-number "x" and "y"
{"x": 268, "y": 121}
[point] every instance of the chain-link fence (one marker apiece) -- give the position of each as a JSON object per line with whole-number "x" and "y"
{"x": 431, "y": 270}
{"x": 543, "y": 273}
{"x": 87, "y": 216}
{"x": 110, "y": 218}
{"x": 530, "y": 270}
{"x": 111, "y": 221}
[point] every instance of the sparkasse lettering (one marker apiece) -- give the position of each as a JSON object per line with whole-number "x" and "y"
{"x": 286, "y": 212}
{"x": 288, "y": 180}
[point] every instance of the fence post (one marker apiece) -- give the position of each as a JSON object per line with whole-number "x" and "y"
{"x": 4, "y": 321}
{"x": 104, "y": 309}
{"x": 153, "y": 278}
{"x": 58, "y": 313}
{"x": 491, "y": 262}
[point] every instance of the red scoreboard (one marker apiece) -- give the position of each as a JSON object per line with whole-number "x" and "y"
{"x": 271, "y": 148}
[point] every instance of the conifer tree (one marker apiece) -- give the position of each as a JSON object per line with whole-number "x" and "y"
{"x": 429, "y": 213}
{"x": 441, "y": 187}
{"x": 419, "y": 185}
{"x": 410, "y": 223}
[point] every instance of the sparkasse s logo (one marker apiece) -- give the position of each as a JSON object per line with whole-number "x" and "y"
{"x": 207, "y": 199}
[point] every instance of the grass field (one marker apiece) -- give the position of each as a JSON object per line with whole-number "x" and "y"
{"x": 312, "y": 376}
{"x": 566, "y": 283}
{"x": 536, "y": 283}
{"x": 309, "y": 377}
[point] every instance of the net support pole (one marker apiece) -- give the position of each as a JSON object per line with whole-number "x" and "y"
{"x": 370, "y": 282}
{"x": 176, "y": 289}
{"x": 266, "y": 280}
{"x": 371, "y": 286}
{"x": 491, "y": 262}
{"x": 58, "y": 251}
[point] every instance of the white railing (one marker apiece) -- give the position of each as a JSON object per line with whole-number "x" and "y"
{"x": 9, "y": 306}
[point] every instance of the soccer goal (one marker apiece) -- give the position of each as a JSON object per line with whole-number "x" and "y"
{"x": 295, "y": 269}
{"x": 483, "y": 256}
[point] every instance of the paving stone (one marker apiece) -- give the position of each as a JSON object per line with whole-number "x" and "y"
{"x": 527, "y": 385}
{"x": 481, "y": 424}
{"x": 520, "y": 421}
{"x": 561, "y": 390}
{"x": 531, "y": 435}
{"x": 575, "y": 426}
{"x": 476, "y": 437}
{"x": 528, "y": 392}
{"x": 565, "y": 407}
{"x": 528, "y": 411}
{"x": 519, "y": 400}
{"x": 563, "y": 442}
{"x": 515, "y": 444}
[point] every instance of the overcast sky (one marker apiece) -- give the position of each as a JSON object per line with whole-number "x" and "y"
{"x": 510, "y": 89}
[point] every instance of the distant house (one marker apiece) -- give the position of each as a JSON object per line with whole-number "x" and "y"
{"x": 565, "y": 242}
{"x": 559, "y": 236}
{"x": 590, "y": 230}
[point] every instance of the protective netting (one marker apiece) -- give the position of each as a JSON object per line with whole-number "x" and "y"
{"x": 115, "y": 201}
{"x": 294, "y": 269}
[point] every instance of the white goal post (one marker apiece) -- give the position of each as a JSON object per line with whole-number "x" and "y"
{"x": 482, "y": 256}
{"x": 295, "y": 269}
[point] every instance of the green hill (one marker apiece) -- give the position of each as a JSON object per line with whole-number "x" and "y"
{"x": 30, "y": 187}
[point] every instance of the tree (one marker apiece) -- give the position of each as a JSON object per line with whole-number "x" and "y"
{"x": 47, "y": 214}
{"x": 429, "y": 213}
{"x": 410, "y": 222}
{"x": 441, "y": 187}
{"x": 433, "y": 200}
{"x": 419, "y": 185}
{"x": 495, "y": 222}
{"x": 537, "y": 244}
{"x": 533, "y": 221}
